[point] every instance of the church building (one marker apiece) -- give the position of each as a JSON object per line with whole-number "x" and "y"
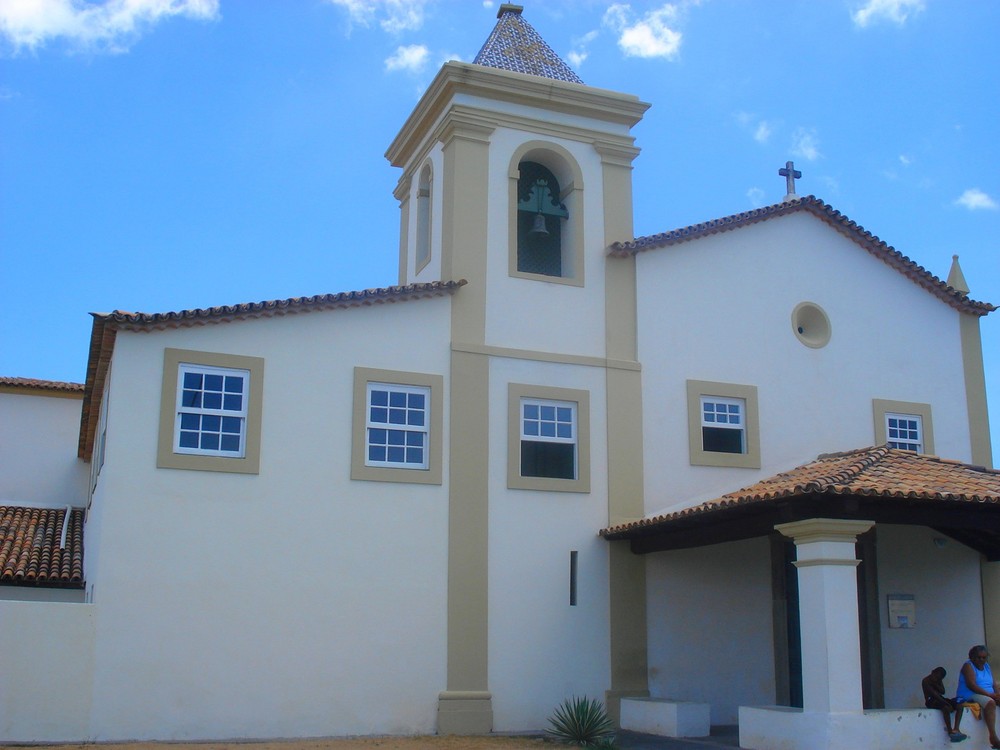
{"x": 735, "y": 473}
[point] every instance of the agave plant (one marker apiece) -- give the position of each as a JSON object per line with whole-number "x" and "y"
{"x": 582, "y": 722}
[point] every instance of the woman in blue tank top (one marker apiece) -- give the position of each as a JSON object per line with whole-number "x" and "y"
{"x": 976, "y": 685}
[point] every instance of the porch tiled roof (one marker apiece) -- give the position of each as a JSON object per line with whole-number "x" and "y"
{"x": 32, "y": 552}
{"x": 514, "y": 45}
{"x": 878, "y": 472}
{"x": 886, "y": 253}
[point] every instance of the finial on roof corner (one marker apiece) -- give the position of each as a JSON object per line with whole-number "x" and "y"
{"x": 509, "y": 8}
{"x": 956, "y": 279}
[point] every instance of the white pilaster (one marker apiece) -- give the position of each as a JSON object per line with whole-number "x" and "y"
{"x": 828, "y": 612}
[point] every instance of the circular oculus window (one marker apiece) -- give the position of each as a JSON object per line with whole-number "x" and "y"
{"x": 811, "y": 325}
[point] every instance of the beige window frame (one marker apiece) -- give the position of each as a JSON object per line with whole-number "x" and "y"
{"x": 881, "y": 407}
{"x": 518, "y": 392}
{"x": 750, "y": 458}
{"x": 359, "y": 468}
{"x": 166, "y": 458}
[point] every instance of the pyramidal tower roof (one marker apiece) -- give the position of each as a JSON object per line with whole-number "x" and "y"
{"x": 515, "y": 46}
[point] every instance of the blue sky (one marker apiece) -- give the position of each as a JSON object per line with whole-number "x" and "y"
{"x": 159, "y": 155}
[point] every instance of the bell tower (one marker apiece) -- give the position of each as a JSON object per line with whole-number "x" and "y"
{"x": 516, "y": 177}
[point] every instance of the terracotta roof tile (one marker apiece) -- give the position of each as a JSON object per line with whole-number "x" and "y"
{"x": 30, "y": 550}
{"x": 135, "y": 321}
{"x": 872, "y": 472}
{"x": 515, "y": 46}
{"x": 31, "y": 384}
{"x": 886, "y": 253}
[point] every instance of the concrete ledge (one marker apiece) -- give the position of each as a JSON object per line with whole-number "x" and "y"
{"x": 783, "y": 728}
{"x": 667, "y": 718}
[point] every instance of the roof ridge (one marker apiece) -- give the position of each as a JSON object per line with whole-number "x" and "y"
{"x": 40, "y": 385}
{"x": 123, "y": 318}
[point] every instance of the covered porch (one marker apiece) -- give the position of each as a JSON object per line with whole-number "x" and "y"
{"x": 815, "y": 600}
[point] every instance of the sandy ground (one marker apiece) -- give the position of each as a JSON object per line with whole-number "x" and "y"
{"x": 357, "y": 743}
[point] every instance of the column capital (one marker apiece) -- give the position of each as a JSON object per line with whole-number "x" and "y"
{"x": 824, "y": 530}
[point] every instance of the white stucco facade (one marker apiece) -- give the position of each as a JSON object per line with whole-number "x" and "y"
{"x": 719, "y": 309}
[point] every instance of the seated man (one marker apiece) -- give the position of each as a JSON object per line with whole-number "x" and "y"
{"x": 933, "y": 687}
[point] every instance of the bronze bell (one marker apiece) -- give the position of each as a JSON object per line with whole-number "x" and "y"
{"x": 539, "y": 229}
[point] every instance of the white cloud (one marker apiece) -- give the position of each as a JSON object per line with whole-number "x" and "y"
{"x": 652, "y": 35}
{"x": 756, "y": 197}
{"x": 805, "y": 144}
{"x": 975, "y": 199}
{"x": 394, "y": 16}
{"x": 762, "y": 132}
{"x": 894, "y": 11}
{"x": 110, "y": 26}
{"x": 905, "y": 159}
{"x": 411, "y": 58}
{"x": 579, "y": 53}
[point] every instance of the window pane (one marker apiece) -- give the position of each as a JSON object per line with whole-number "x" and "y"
{"x": 233, "y": 402}
{"x": 397, "y": 416}
{"x": 376, "y": 453}
{"x": 213, "y": 382}
{"x": 397, "y": 398}
{"x": 212, "y": 400}
{"x": 210, "y": 423}
{"x": 414, "y": 455}
{"x": 396, "y": 455}
{"x": 379, "y": 415}
{"x": 209, "y": 442}
{"x": 191, "y": 399}
{"x": 380, "y": 398}
{"x": 416, "y": 418}
{"x": 377, "y": 436}
{"x": 232, "y": 425}
{"x": 231, "y": 443}
{"x": 722, "y": 440}
{"x": 416, "y": 400}
{"x": 192, "y": 380}
{"x": 234, "y": 384}
{"x": 531, "y": 411}
{"x": 190, "y": 421}
{"x": 551, "y": 460}
{"x": 188, "y": 440}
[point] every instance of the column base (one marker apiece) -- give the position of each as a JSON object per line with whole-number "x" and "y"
{"x": 613, "y": 702}
{"x": 465, "y": 712}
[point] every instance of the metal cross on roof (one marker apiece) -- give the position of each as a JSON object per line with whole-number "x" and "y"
{"x": 791, "y": 174}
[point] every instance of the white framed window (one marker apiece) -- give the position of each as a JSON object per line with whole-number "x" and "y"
{"x": 548, "y": 439}
{"x": 906, "y": 425}
{"x": 723, "y": 424}
{"x": 211, "y": 411}
{"x": 904, "y": 431}
{"x": 211, "y": 408}
{"x": 397, "y": 426}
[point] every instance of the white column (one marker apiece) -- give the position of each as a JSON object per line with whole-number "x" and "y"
{"x": 828, "y": 612}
